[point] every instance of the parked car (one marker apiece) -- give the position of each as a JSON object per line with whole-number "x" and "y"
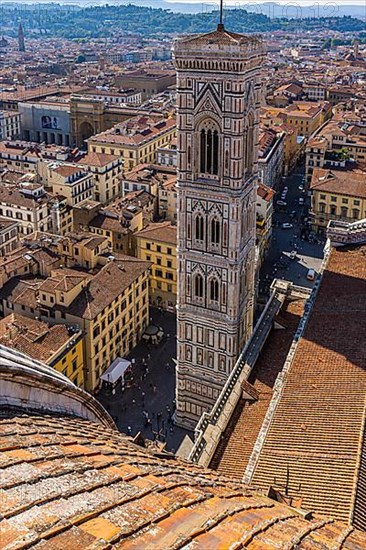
{"x": 301, "y": 188}
{"x": 311, "y": 275}
{"x": 282, "y": 203}
{"x": 301, "y": 200}
{"x": 293, "y": 254}
{"x": 287, "y": 225}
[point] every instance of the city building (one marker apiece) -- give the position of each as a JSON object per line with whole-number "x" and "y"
{"x": 9, "y": 125}
{"x": 71, "y": 181}
{"x": 305, "y": 116}
{"x": 264, "y": 212}
{"x": 28, "y": 205}
{"x": 80, "y": 250}
{"x": 46, "y": 121}
{"x": 336, "y": 143}
{"x": 219, "y": 94}
{"x": 111, "y": 308}
{"x": 9, "y": 235}
{"x": 118, "y": 221}
{"x": 24, "y": 156}
{"x": 270, "y": 156}
{"x": 62, "y": 437}
{"x": 315, "y": 91}
{"x": 135, "y": 141}
{"x": 337, "y": 194}
{"x": 90, "y": 115}
{"x": 106, "y": 170}
{"x": 168, "y": 154}
{"x": 157, "y": 243}
{"x": 167, "y": 199}
{"x": 147, "y": 82}
{"x": 56, "y": 345}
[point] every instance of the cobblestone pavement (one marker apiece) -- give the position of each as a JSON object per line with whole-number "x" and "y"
{"x": 153, "y": 391}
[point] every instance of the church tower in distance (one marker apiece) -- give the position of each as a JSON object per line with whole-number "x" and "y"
{"x": 21, "y": 43}
{"x": 218, "y": 94}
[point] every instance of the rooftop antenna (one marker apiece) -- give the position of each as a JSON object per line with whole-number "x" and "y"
{"x": 220, "y": 26}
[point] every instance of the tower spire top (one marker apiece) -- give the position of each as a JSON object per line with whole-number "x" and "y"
{"x": 220, "y": 26}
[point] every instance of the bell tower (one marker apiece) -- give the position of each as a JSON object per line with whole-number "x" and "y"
{"x": 218, "y": 91}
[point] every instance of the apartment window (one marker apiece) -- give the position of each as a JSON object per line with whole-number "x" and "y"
{"x": 158, "y": 261}
{"x": 322, "y": 197}
{"x": 333, "y": 199}
{"x": 169, "y": 251}
{"x": 355, "y": 214}
{"x": 356, "y": 203}
{"x": 158, "y": 273}
{"x": 74, "y": 365}
{"x": 344, "y": 201}
{"x": 148, "y": 246}
{"x": 333, "y": 210}
{"x": 169, "y": 263}
{"x": 322, "y": 207}
{"x": 169, "y": 276}
{"x": 158, "y": 248}
{"x": 344, "y": 211}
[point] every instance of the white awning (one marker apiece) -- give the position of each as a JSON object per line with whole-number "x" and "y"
{"x": 116, "y": 370}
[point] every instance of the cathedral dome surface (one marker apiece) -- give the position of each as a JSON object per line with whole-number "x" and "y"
{"x": 68, "y": 483}
{"x": 32, "y": 386}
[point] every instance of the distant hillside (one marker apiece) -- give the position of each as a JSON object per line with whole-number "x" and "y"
{"x": 70, "y": 21}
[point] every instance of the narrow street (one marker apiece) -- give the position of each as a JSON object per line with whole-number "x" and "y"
{"x": 296, "y": 237}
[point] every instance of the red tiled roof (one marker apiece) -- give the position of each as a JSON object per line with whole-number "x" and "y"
{"x": 234, "y": 450}
{"x": 316, "y": 435}
{"x": 69, "y": 483}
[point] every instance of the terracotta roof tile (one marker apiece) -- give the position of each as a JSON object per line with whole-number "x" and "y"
{"x": 317, "y": 430}
{"x": 80, "y": 486}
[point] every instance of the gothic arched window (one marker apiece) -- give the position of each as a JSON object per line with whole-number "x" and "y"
{"x": 215, "y": 231}
{"x": 209, "y": 149}
{"x": 214, "y": 290}
{"x": 198, "y": 286}
{"x": 199, "y": 229}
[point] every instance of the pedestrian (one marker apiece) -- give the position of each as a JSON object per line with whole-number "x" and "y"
{"x": 129, "y": 430}
{"x": 133, "y": 401}
{"x": 154, "y": 389}
{"x": 143, "y": 398}
{"x": 167, "y": 366}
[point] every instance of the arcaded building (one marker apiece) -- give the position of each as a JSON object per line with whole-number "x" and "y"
{"x": 218, "y": 90}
